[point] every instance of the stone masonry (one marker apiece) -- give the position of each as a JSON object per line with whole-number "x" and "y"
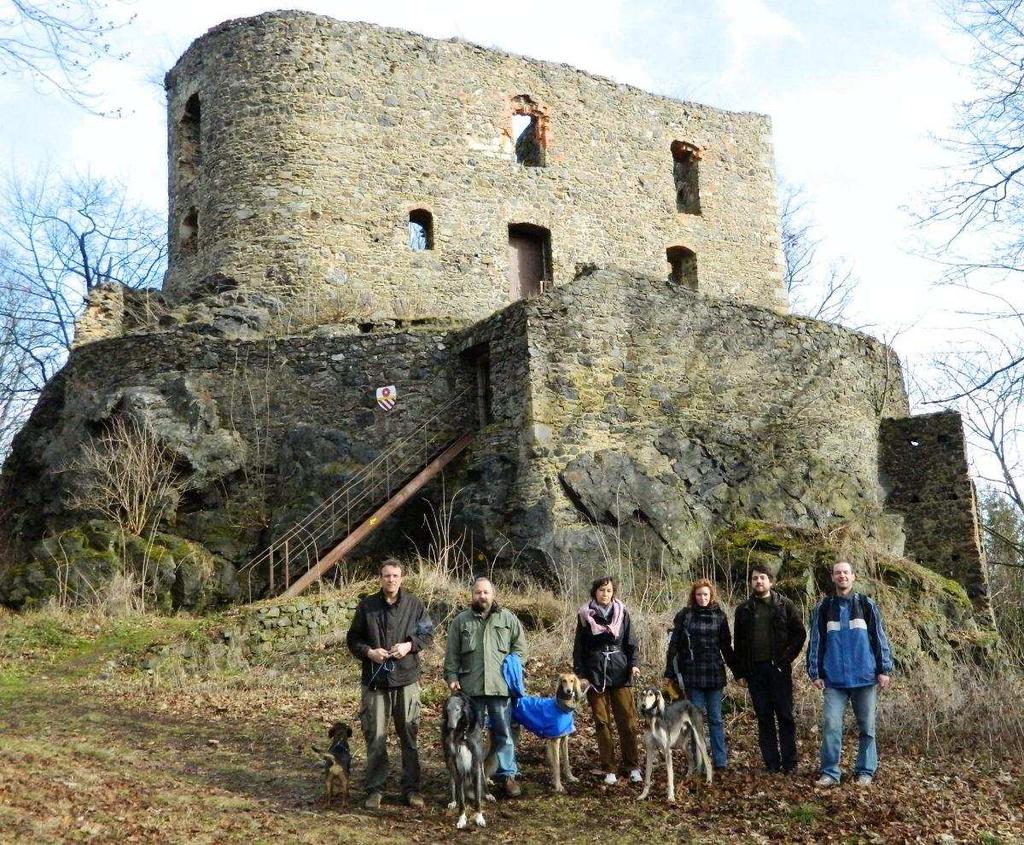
{"x": 346, "y": 206}
{"x": 300, "y": 144}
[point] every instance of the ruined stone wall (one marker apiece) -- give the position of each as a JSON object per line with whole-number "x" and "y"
{"x": 263, "y": 430}
{"x": 299, "y": 145}
{"x": 661, "y": 414}
{"x": 924, "y": 463}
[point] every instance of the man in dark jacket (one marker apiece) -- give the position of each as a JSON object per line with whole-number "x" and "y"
{"x": 768, "y": 637}
{"x": 388, "y": 632}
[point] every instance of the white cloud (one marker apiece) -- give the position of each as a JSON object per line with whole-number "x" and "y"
{"x": 751, "y": 25}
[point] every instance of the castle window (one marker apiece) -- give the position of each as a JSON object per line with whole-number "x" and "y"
{"x": 529, "y": 253}
{"x": 421, "y": 230}
{"x": 682, "y": 263}
{"x": 529, "y": 131}
{"x": 190, "y": 153}
{"x": 685, "y": 173}
{"x": 188, "y": 231}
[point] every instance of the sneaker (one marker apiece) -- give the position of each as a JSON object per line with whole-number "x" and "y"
{"x": 864, "y": 780}
{"x": 512, "y": 789}
{"x": 413, "y": 799}
{"x": 825, "y": 781}
{"x": 611, "y": 779}
{"x": 635, "y": 776}
{"x": 372, "y": 801}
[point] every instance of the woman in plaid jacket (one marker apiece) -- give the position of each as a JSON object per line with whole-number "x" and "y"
{"x": 699, "y": 651}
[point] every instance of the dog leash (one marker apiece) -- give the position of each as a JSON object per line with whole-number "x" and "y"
{"x": 384, "y": 667}
{"x": 607, "y": 655}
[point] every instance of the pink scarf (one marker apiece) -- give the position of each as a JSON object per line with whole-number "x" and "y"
{"x": 588, "y": 616}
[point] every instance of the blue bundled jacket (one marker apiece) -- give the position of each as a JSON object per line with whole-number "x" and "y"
{"x": 848, "y": 646}
{"x": 540, "y": 716}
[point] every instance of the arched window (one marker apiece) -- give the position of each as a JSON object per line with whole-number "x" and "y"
{"x": 529, "y": 131}
{"x": 188, "y": 231}
{"x": 190, "y": 151}
{"x": 421, "y": 229}
{"x": 682, "y": 264}
{"x": 686, "y": 175}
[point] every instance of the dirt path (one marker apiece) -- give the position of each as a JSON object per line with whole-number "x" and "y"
{"x": 96, "y": 752}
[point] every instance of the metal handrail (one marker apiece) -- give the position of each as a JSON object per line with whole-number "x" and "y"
{"x": 299, "y": 547}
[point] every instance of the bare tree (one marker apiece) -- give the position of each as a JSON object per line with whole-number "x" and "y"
{"x": 63, "y": 237}
{"x": 823, "y": 293}
{"x": 56, "y": 43}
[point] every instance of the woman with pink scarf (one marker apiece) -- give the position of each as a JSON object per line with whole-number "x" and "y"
{"x": 605, "y": 655}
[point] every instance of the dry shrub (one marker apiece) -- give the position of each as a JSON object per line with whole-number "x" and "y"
{"x": 322, "y": 305}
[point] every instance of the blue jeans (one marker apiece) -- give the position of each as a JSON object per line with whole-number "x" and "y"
{"x": 710, "y": 701}
{"x": 863, "y": 700}
{"x": 495, "y": 711}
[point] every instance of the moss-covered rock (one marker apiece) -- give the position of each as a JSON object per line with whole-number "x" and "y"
{"x": 76, "y": 565}
{"x": 928, "y": 617}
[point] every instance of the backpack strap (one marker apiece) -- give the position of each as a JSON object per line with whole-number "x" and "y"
{"x": 868, "y": 612}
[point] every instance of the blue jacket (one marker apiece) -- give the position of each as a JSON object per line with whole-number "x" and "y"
{"x": 848, "y": 646}
{"x": 539, "y": 715}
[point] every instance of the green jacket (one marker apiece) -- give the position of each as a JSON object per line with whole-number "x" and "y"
{"x": 478, "y": 646}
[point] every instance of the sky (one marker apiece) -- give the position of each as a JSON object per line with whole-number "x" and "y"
{"x": 858, "y": 94}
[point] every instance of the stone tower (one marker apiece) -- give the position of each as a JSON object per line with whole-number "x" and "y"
{"x": 405, "y": 177}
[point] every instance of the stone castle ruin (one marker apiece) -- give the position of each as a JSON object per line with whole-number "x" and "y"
{"x": 572, "y": 283}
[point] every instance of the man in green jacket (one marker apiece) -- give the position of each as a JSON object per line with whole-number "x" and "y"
{"x": 479, "y": 640}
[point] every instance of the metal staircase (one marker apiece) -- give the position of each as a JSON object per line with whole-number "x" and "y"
{"x": 328, "y": 533}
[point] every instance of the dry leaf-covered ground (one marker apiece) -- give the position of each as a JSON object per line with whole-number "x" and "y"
{"x": 93, "y": 750}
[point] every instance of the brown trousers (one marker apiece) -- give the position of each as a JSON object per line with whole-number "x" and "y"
{"x": 615, "y": 703}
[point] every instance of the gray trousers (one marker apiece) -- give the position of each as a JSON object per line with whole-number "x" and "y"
{"x": 378, "y": 709}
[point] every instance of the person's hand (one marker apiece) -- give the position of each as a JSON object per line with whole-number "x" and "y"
{"x": 401, "y": 650}
{"x": 378, "y": 655}
{"x": 454, "y": 686}
{"x": 636, "y": 671}
{"x": 883, "y": 681}
{"x": 818, "y": 684}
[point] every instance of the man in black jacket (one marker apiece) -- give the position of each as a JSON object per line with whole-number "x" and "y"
{"x": 768, "y": 636}
{"x": 388, "y": 632}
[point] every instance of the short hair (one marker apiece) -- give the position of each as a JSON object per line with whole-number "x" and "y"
{"x": 391, "y": 561}
{"x": 598, "y": 583}
{"x": 763, "y": 569}
{"x": 834, "y": 565}
{"x": 478, "y": 579}
{"x": 703, "y": 582}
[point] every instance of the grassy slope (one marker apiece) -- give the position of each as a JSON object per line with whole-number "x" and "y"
{"x": 93, "y": 751}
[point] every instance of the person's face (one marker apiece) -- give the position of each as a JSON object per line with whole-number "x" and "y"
{"x": 483, "y": 596}
{"x": 390, "y": 580}
{"x": 760, "y": 583}
{"x": 702, "y": 596}
{"x": 603, "y": 594}
{"x": 842, "y": 577}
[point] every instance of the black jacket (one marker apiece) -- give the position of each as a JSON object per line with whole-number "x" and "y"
{"x": 700, "y": 648}
{"x": 787, "y": 633}
{"x": 377, "y": 624}
{"x": 606, "y": 661}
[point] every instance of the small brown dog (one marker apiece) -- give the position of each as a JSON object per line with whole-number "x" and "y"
{"x": 337, "y": 762}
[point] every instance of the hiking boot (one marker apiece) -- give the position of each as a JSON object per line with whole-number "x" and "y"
{"x": 372, "y": 801}
{"x": 413, "y": 799}
{"x": 825, "y": 782}
{"x": 635, "y": 776}
{"x": 512, "y": 789}
{"x": 864, "y": 780}
{"x": 611, "y": 779}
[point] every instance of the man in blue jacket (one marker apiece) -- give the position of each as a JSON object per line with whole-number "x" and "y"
{"x": 849, "y": 658}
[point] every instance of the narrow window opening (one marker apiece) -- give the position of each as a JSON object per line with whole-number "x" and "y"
{"x": 188, "y": 231}
{"x": 529, "y": 249}
{"x": 421, "y": 230}
{"x": 686, "y": 175}
{"x": 190, "y": 153}
{"x": 682, "y": 263}
{"x": 479, "y": 357}
{"x": 529, "y": 131}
